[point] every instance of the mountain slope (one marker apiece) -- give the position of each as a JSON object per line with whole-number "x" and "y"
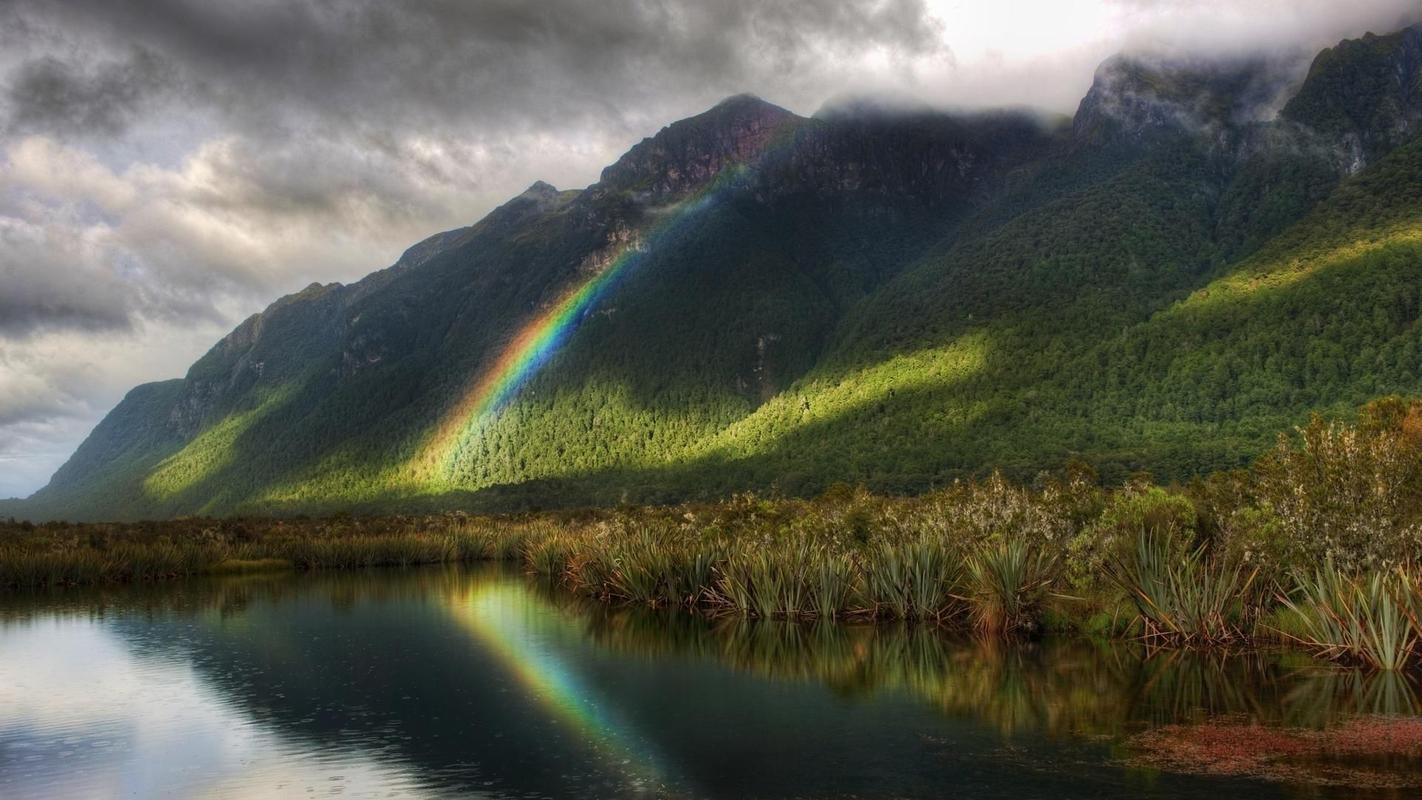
{"x": 752, "y": 298}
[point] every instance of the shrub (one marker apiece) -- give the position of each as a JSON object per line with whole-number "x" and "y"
{"x": 1351, "y": 494}
{"x": 1136, "y": 511}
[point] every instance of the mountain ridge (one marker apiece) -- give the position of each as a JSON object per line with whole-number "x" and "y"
{"x": 873, "y": 295}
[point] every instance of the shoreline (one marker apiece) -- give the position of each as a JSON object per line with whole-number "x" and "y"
{"x": 1315, "y": 545}
{"x": 635, "y": 558}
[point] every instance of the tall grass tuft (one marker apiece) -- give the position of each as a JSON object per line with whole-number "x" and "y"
{"x": 1183, "y": 598}
{"x": 1361, "y": 619}
{"x": 1008, "y": 581}
{"x": 834, "y": 579}
{"x": 916, "y": 580}
{"x": 769, "y": 581}
{"x": 548, "y": 554}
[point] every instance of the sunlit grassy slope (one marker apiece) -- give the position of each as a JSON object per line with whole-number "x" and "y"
{"x": 890, "y": 298}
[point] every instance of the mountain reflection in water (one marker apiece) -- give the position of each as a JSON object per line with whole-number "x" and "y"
{"x": 482, "y": 682}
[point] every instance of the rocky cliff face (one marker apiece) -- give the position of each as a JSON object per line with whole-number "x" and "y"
{"x": 1364, "y": 95}
{"x": 261, "y": 348}
{"x": 854, "y": 149}
{"x": 936, "y": 158}
{"x": 1135, "y": 98}
{"x": 687, "y": 154}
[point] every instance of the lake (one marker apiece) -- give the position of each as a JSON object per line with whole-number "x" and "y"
{"x": 481, "y": 682}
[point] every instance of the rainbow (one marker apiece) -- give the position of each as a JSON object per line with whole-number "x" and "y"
{"x": 541, "y": 337}
{"x": 518, "y": 630}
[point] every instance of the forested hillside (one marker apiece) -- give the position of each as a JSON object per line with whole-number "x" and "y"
{"x": 1206, "y": 253}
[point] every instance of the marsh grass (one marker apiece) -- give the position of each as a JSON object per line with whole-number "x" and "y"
{"x": 547, "y": 555}
{"x": 238, "y": 566}
{"x": 758, "y": 561}
{"x": 768, "y": 583}
{"x": 71, "y": 555}
{"x": 834, "y": 584}
{"x": 791, "y": 560}
{"x": 654, "y": 566}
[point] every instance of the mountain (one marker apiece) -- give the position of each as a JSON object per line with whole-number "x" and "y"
{"x": 1204, "y": 254}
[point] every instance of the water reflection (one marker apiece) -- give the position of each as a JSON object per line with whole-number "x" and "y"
{"x": 505, "y": 619}
{"x": 1062, "y": 687}
{"x": 480, "y": 683}
{"x": 85, "y": 713}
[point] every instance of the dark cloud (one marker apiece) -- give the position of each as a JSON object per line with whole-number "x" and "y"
{"x": 441, "y": 62}
{"x": 1243, "y": 27}
{"x": 366, "y": 118}
{"x": 169, "y": 166}
{"x": 72, "y": 278}
{"x": 47, "y": 94}
{"x": 52, "y": 284}
{"x": 34, "y": 301}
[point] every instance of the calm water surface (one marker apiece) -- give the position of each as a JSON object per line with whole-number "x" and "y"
{"x": 481, "y": 683}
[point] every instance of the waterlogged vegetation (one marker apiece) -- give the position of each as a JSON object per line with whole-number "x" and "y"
{"x": 1314, "y": 546}
{"x": 63, "y": 554}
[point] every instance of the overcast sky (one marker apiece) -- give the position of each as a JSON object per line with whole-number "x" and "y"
{"x": 168, "y": 167}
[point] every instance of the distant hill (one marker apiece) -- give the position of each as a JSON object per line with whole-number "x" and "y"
{"x": 1204, "y": 255}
